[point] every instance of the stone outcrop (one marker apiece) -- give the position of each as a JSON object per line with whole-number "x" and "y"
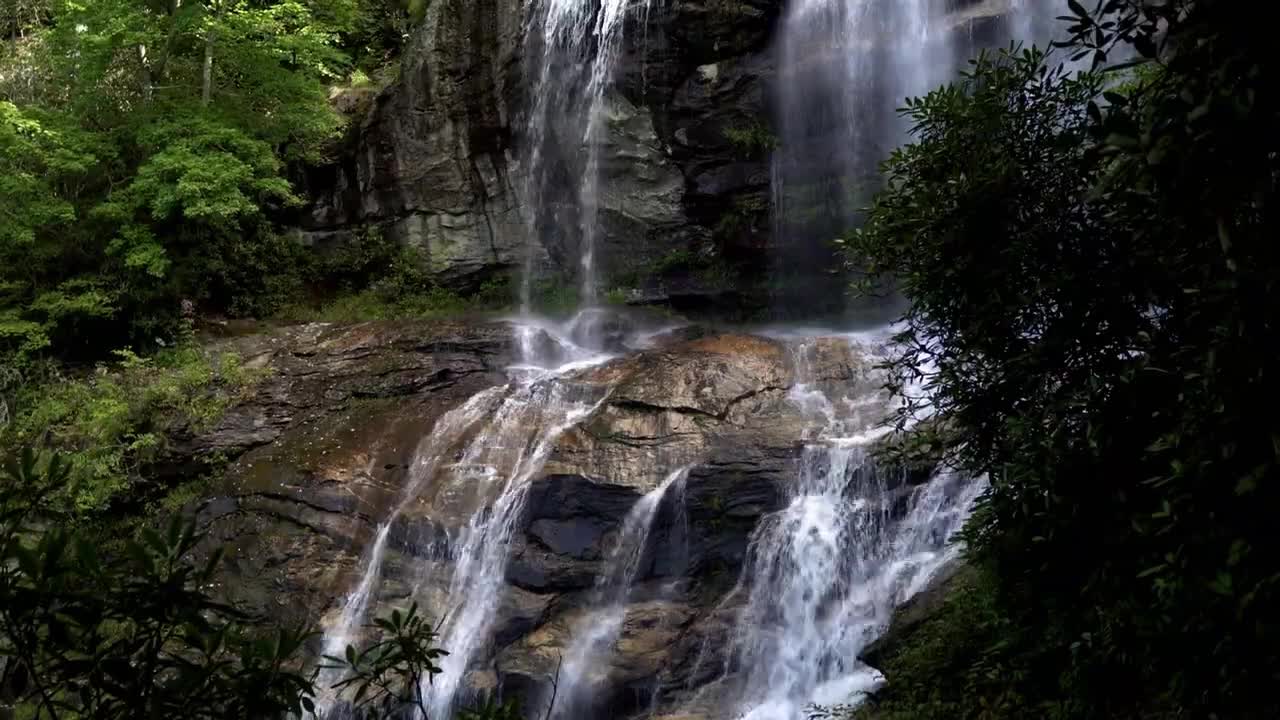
{"x": 326, "y": 448}
{"x": 430, "y": 162}
{"x": 323, "y": 444}
{"x": 685, "y": 164}
{"x": 435, "y": 162}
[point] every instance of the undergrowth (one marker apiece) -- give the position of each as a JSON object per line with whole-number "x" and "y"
{"x": 114, "y": 420}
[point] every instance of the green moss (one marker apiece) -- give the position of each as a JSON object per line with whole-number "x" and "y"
{"x": 752, "y": 140}
{"x": 555, "y": 297}
{"x": 747, "y": 214}
{"x": 677, "y": 259}
{"x": 405, "y": 290}
{"x": 616, "y": 296}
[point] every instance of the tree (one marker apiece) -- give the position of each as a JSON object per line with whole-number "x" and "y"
{"x": 148, "y": 156}
{"x": 131, "y": 631}
{"x": 88, "y": 634}
{"x": 1091, "y": 267}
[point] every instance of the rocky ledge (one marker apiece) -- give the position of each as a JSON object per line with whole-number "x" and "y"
{"x": 326, "y": 447}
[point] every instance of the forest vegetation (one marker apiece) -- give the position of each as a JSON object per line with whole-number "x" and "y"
{"x": 1090, "y": 259}
{"x": 1092, "y": 266}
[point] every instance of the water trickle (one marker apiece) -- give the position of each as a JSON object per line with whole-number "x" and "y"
{"x": 594, "y": 637}
{"x": 574, "y": 49}
{"x": 429, "y": 458}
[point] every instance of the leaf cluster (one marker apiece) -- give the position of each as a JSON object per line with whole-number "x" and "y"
{"x": 84, "y": 633}
{"x": 1091, "y": 265}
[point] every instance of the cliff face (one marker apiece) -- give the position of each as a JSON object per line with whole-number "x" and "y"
{"x": 436, "y": 161}
{"x": 430, "y": 163}
{"x": 327, "y": 448}
{"x": 685, "y": 163}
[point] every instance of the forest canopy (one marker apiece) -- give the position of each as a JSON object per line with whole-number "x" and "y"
{"x": 149, "y": 151}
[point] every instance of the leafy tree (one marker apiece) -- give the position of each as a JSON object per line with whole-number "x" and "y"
{"x": 1091, "y": 264}
{"x": 88, "y": 634}
{"x": 151, "y": 166}
{"x": 386, "y": 678}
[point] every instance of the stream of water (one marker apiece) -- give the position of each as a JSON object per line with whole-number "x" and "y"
{"x": 594, "y": 638}
{"x": 574, "y": 49}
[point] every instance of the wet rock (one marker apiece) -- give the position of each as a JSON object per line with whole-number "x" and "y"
{"x": 335, "y": 420}
{"x": 351, "y": 406}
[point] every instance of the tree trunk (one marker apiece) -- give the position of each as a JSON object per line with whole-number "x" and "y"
{"x": 206, "y": 88}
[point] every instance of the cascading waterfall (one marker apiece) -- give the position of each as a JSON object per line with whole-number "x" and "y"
{"x": 574, "y": 50}
{"x": 512, "y": 430}
{"x": 594, "y": 638}
{"x": 449, "y": 430}
{"x": 498, "y": 466}
{"x": 824, "y": 573}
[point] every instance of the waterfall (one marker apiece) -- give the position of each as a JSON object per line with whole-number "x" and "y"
{"x": 1035, "y": 21}
{"x": 844, "y": 67}
{"x": 428, "y": 459}
{"x": 594, "y": 638}
{"x": 512, "y": 429}
{"x": 499, "y": 463}
{"x": 824, "y": 573}
{"x": 574, "y": 48}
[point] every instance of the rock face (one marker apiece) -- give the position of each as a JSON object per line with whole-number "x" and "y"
{"x": 436, "y": 161}
{"x": 685, "y": 169}
{"x": 430, "y": 163}
{"x": 323, "y": 445}
{"x": 327, "y": 448}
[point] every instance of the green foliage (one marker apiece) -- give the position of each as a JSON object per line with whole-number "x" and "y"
{"x": 386, "y": 678}
{"x": 752, "y": 140}
{"x": 87, "y": 634}
{"x": 382, "y": 30}
{"x": 1092, "y": 277}
{"x": 133, "y": 182}
{"x": 492, "y": 710}
{"x": 555, "y": 297}
{"x": 114, "y": 421}
{"x": 383, "y": 282}
{"x": 931, "y": 665}
{"x": 676, "y": 260}
{"x": 747, "y": 215}
{"x": 96, "y": 630}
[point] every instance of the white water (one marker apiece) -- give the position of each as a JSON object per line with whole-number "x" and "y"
{"x": 824, "y": 573}
{"x": 576, "y": 45}
{"x": 505, "y": 434}
{"x": 428, "y": 459}
{"x": 595, "y": 635}
{"x": 844, "y": 67}
{"x": 497, "y": 467}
